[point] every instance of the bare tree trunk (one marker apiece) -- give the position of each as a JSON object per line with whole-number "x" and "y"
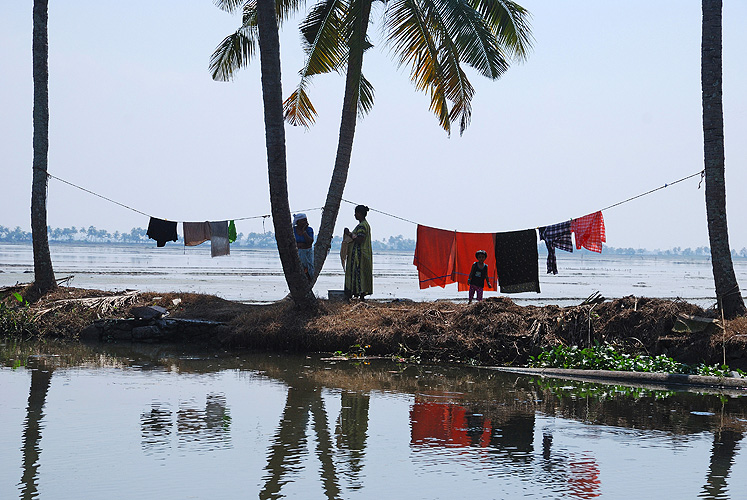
{"x": 269, "y": 51}
{"x": 344, "y": 143}
{"x": 43, "y": 273}
{"x": 727, "y": 288}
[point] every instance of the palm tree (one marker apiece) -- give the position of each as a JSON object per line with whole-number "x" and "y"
{"x": 43, "y": 273}
{"x": 727, "y": 288}
{"x": 434, "y": 38}
{"x": 264, "y": 29}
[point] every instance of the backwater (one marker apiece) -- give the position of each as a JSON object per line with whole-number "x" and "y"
{"x": 251, "y": 275}
{"x": 124, "y": 422}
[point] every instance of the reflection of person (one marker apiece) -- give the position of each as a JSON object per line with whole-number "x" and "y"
{"x": 304, "y": 239}
{"x": 359, "y": 267}
{"x": 478, "y": 276}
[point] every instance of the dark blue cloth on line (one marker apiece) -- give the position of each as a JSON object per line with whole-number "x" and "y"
{"x": 556, "y": 236}
{"x": 161, "y": 231}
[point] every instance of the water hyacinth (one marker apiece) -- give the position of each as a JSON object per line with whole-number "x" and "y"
{"x": 606, "y": 357}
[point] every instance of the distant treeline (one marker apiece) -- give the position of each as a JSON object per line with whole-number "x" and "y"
{"x": 137, "y": 236}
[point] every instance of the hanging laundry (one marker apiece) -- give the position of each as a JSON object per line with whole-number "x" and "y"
{"x": 232, "y": 232}
{"x": 196, "y": 233}
{"x": 589, "y": 231}
{"x": 219, "y": 245}
{"x": 434, "y": 256}
{"x": 517, "y": 261}
{"x": 556, "y": 236}
{"x": 161, "y": 231}
{"x": 465, "y": 246}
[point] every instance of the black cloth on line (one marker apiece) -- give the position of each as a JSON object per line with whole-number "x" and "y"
{"x": 161, "y": 231}
{"x": 516, "y": 261}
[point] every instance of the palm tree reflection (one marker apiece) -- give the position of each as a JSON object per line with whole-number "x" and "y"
{"x": 351, "y": 432}
{"x": 290, "y": 443}
{"x": 722, "y": 457}
{"x": 41, "y": 377}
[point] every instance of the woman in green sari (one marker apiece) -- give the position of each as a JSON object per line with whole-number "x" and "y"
{"x": 359, "y": 267}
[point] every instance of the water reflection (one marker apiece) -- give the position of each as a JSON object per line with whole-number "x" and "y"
{"x": 202, "y": 429}
{"x": 41, "y": 378}
{"x": 289, "y": 445}
{"x": 340, "y": 426}
{"x": 443, "y": 423}
{"x": 723, "y": 452}
{"x": 351, "y": 432}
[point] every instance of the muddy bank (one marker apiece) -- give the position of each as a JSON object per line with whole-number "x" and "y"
{"x": 495, "y": 331}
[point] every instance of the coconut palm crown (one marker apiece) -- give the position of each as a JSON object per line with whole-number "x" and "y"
{"x": 434, "y": 38}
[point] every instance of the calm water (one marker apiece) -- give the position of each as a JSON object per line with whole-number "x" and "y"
{"x": 118, "y": 423}
{"x": 256, "y": 275}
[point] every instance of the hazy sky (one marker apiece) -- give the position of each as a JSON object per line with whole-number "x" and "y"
{"x": 607, "y": 106}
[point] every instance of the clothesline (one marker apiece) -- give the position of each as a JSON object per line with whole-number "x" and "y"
{"x": 265, "y": 216}
{"x": 700, "y": 173}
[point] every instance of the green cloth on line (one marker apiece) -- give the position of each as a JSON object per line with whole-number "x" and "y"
{"x": 231, "y": 232}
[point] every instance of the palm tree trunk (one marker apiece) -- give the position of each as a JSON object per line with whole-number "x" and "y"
{"x": 269, "y": 52}
{"x": 43, "y": 273}
{"x": 344, "y": 143}
{"x": 727, "y": 288}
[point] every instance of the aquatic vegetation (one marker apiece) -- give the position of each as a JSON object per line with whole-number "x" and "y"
{"x": 600, "y": 392}
{"x": 355, "y": 351}
{"x": 606, "y": 357}
{"x": 16, "y": 319}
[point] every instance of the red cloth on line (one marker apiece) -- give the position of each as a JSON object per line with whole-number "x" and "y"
{"x": 589, "y": 231}
{"x": 434, "y": 256}
{"x": 466, "y": 244}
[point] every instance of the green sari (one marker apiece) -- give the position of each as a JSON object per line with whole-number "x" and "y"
{"x": 359, "y": 267}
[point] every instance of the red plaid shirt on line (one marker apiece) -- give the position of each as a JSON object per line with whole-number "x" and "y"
{"x": 589, "y": 231}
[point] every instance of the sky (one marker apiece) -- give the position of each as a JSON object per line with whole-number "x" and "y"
{"x": 607, "y": 106}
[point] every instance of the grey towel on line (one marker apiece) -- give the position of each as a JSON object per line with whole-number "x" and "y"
{"x": 196, "y": 233}
{"x": 219, "y": 244}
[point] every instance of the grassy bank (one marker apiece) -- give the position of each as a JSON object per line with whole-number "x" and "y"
{"x": 495, "y": 331}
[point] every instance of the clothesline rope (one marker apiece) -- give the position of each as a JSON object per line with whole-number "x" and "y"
{"x": 265, "y": 216}
{"x": 701, "y": 173}
{"x": 383, "y": 213}
{"x": 96, "y": 194}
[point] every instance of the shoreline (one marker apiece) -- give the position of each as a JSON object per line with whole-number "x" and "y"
{"x": 496, "y": 331}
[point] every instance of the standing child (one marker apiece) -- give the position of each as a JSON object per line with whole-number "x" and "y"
{"x": 478, "y": 276}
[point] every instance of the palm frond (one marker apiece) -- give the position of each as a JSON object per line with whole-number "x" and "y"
{"x": 323, "y": 33}
{"x": 420, "y": 37}
{"x": 285, "y": 8}
{"x": 325, "y": 49}
{"x": 298, "y": 110}
{"x": 249, "y": 14}
{"x": 510, "y": 23}
{"x": 233, "y": 53}
{"x": 413, "y": 44}
{"x": 230, "y": 6}
{"x": 477, "y": 43}
{"x": 365, "y": 96}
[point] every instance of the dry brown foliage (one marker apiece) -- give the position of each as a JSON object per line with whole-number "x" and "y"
{"x": 495, "y": 331}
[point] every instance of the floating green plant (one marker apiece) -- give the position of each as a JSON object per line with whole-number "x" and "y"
{"x": 606, "y": 357}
